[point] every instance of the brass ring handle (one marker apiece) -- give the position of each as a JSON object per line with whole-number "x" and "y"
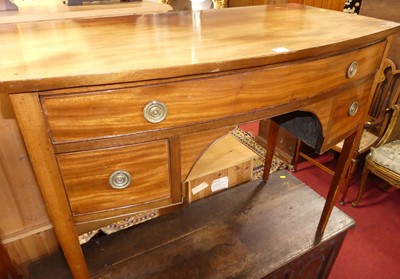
{"x": 353, "y": 108}
{"x": 120, "y": 179}
{"x": 352, "y": 69}
{"x": 155, "y": 111}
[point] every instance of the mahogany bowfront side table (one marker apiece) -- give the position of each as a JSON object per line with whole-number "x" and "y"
{"x": 116, "y": 111}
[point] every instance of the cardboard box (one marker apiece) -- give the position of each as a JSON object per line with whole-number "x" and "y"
{"x": 226, "y": 163}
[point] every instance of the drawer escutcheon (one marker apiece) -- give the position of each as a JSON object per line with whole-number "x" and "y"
{"x": 353, "y": 108}
{"x": 155, "y": 111}
{"x": 120, "y": 179}
{"x": 352, "y": 69}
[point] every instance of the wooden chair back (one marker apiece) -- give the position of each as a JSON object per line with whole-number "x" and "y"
{"x": 393, "y": 130}
{"x": 384, "y": 99}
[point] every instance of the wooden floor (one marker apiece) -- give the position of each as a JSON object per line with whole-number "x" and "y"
{"x": 247, "y": 232}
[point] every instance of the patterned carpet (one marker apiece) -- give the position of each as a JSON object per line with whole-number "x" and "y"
{"x": 244, "y": 137}
{"x": 352, "y": 6}
{"x": 248, "y": 140}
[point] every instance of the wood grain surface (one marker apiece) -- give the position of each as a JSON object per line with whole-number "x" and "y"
{"x": 326, "y": 4}
{"x": 269, "y": 61}
{"x": 78, "y": 117}
{"x": 46, "y": 55}
{"x": 86, "y": 175}
{"x": 247, "y": 232}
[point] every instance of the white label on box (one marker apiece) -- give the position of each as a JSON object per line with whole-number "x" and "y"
{"x": 220, "y": 183}
{"x": 199, "y": 188}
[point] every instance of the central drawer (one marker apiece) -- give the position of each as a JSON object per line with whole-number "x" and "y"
{"x": 118, "y": 112}
{"x": 88, "y": 177}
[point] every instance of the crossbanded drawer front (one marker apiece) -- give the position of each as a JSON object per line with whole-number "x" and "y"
{"x": 88, "y": 176}
{"x": 105, "y": 114}
{"x": 348, "y": 110}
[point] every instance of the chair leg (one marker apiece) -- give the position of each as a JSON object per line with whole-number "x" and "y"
{"x": 346, "y": 185}
{"x": 349, "y": 175}
{"x": 362, "y": 186}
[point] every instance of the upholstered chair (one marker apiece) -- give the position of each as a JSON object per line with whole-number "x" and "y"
{"x": 384, "y": 159}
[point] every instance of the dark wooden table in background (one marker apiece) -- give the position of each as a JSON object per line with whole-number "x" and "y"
{"x": 252, "y": 231}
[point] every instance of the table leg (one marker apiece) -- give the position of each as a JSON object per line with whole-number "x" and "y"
{"x": 269, "y": 150}
{"x": 7, "y": 269}
{"x": 34, "y": 130}
{"x": 337, "y": 181}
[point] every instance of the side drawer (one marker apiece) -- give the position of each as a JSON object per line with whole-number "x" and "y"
{"x": 348, "y": 111}
{"x": 86, "y": 177}
{"x": 335, "y": 116}
{"x": 104, "y": 114}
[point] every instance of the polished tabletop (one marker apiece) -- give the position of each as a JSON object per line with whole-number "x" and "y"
{"x": 39, "y": 55}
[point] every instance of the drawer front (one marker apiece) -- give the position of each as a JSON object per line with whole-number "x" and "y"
{"x": 86, "y": 177}
{"x": 95, "y": 115}
{"x": 348, "y": 111}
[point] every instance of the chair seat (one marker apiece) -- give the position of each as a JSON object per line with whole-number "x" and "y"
{"x": 388, "y": 155}
{"x": 367, "y": 140}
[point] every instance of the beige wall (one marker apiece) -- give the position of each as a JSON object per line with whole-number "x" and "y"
{"x": 388, "y": 10}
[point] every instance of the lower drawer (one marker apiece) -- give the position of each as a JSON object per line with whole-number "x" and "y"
{"x": 90, "y": 184}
